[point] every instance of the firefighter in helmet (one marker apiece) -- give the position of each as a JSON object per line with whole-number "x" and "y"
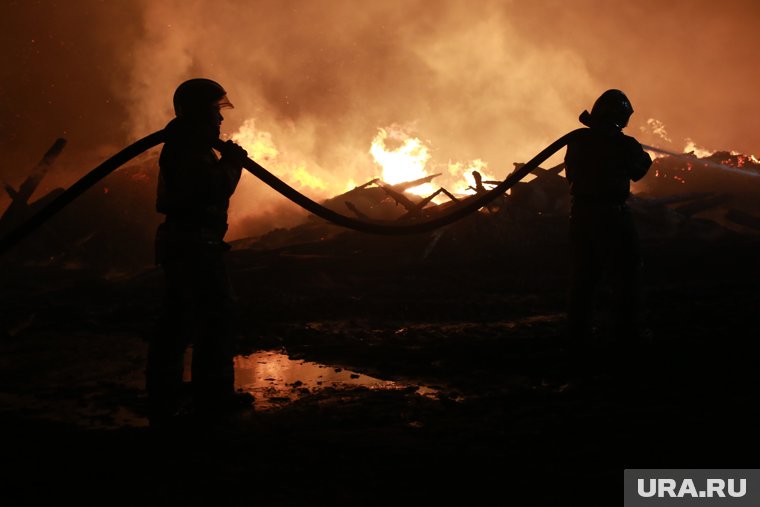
{"x": 600, "y": 164}
{"x": 194, "y": 189}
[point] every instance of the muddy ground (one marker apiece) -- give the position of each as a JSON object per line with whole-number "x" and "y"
{"x": 508, "y": 410}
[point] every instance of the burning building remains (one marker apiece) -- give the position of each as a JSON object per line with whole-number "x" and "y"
{"x": 398, "y": 113}
{"x": 110, "y": 229}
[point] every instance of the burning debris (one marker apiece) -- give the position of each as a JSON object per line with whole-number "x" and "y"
{"x": 699, "y": 174}
{"x": 721, "y": 188}
{"x": 708, "y": 204}
{"x": 380, "y": 200}
{"x": 112, "y": 227}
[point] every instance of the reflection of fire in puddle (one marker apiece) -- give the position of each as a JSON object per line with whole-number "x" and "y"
{"x": 274, "y": 378}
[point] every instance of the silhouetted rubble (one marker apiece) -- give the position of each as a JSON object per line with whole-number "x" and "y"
{"x": 474, "y": 311}
{"x": 20, "y": 208}
{"x": 111, "y": 227}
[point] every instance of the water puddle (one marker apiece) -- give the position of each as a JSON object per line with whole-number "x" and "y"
{"x": 275, "y": 379}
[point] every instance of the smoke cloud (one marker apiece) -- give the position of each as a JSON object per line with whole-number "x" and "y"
{"x": 313, "y": 82}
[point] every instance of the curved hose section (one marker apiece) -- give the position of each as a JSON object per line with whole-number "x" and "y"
{"x": 387, "y": 227}
{"x": 374, "y": 227}
{"x": 78, "y": 188}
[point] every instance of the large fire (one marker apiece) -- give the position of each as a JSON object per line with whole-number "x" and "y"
{"x": 401, "y": 157}
{"x": 261, "y": 147}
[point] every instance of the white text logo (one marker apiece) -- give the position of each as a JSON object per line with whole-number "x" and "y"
{"x": 648, "y": 488}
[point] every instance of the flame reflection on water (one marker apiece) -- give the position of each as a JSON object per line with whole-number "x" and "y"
{"x": 275, "y": 379}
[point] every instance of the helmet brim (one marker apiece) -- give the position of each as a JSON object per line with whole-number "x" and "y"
{"x": 224, "y": 103}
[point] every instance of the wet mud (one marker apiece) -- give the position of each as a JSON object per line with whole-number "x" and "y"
{"x": 383, "y": 375}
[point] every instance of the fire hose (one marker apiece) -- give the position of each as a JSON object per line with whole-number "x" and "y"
{"x": 385, "y": 227}
{"x": 707, "y": 163}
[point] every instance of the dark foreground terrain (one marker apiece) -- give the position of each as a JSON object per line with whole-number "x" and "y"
{"x": 509, "y": 413}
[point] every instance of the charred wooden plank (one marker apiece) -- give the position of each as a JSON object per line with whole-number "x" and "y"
{"x": 449, "y": 195}
{"x": 399, "y": 197}
{"x": 355, "y": 210}
{"x": 370, "y": 182}
{"x": 20, "y": 198}
{"x": 400, "y": 187}
{"x": 417, "y": 211}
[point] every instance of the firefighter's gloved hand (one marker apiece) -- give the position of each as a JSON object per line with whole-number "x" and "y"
{"x": 233, "y": 154}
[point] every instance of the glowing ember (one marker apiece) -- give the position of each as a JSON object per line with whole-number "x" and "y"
{"x": 677, "y": 166}
{"x": 740, "y": 160}
{"x": 402, "y": 157}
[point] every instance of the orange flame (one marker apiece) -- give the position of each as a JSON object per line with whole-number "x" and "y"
{"x": 699, "y": 151}
{"x": 405, "y": 162}
{"x": 257, "y": 143}
{"x": 463, "y": 170}
{"x": 261, "y": 147}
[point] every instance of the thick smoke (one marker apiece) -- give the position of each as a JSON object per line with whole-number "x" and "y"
{"x": 489, "y": 80}
{"x": 322, "y": 77}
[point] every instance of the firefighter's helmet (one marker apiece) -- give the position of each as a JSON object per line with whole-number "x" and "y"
{"x": 197, "y": 97}
{"x": 612, "y": 109}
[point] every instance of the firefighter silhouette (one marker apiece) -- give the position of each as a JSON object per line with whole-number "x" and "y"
{"x": 600, "y": 163}
{"x": 194, "y": 189}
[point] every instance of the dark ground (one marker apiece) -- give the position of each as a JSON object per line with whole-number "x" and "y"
{"x": 516, "y": 416}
